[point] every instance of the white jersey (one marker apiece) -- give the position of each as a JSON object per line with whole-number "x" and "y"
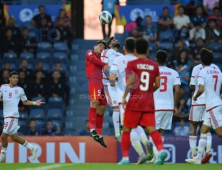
{"x": 118, "y": 67}
{"x": 108, "y": 57}
{"x": 163, "y": 97}
{"x": 11, "y": 98}
{"x": 193, "y": 81}
{"x": 211, "y": 79}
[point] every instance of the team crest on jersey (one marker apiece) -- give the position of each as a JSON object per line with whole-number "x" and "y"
{"x": 16, "y": 92}
{"x": 114, "y": 102}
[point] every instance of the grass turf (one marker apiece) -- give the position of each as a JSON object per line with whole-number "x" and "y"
{"x": 108, "y": 166}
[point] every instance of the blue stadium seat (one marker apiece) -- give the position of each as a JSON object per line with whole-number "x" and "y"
{"x": 215, "y": 46}
{"x": 54, "y": 114}
{"x": 61, "y": 46}
{"x": 68, "y": 132}
{"x": 23, "y": 115}
{"x": 217, "y": 57}
{"x": 60, "y": 57}
{"x": 30, "y": 65}
{"x": 44, "y": 46}
{"x": 63, "y": 66}
{"x": 166, "y": 45}
{"x": 69, "y": 125}
{"x": 23, "y": 125}
{"x": 28, "y": 56}
{"x": 37, "y": 114}
{"x": 152, "y": 46}
{"x": 46, "y": 67}
{"x": 10, "y": 57}
{"x": 56, "y": 102}
{"x": 43, "y": 56}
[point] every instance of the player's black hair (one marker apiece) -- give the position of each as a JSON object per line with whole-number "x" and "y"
{"x": 41, "y": 6}
{"x": 206, "y": 56}
{"x": 141, "y": 46}
{"x": 13, "y": 73}
{"x": 109, "y": 41}
{"x": 102, "y": 42}
{"x": 161, "y": 57}
{"x": 130, "y": 44}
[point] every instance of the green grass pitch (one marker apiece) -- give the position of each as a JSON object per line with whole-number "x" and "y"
{"x": 108, "y": 166}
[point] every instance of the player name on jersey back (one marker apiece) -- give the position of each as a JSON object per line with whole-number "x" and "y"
{"x": 11, "y": 98}
{"x": 194, "y": 81}
{"x": 211, "y": 79}
{"x": 145, "y": 67}
{"x": 163, "y": 97}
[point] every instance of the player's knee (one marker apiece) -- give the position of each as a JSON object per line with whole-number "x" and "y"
{"x": 3, "y": 137}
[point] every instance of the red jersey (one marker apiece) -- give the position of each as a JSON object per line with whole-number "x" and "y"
{"x": 93, "y": 65}
{"x": 141, "y": 97}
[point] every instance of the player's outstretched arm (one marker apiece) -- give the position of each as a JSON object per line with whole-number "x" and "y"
{"x": 129, "y": 85}
{"x": 199, "y": 92}
{"x": 31, "y": 103}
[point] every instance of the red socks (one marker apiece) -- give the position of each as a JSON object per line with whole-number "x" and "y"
{"x": 157, "y": 140}
{"x": 99, "y": 124}
{"x": 125, "y": 144}
{"x": 92, "y": 117}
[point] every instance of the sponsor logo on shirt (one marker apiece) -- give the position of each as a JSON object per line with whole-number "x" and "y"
{"x": 16, "y": 92}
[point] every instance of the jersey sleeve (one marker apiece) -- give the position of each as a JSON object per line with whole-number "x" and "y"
{"x": 200, "y": 78}
{"x": 23, "y": 96}
{"x": 193, "y": 76}
{"x": 176, "y": 79}
{"x": 114, "y": 67}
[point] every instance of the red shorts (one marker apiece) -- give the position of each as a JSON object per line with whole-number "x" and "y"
{"x": 96, "y": 91}
{"x": 134, "y": 118}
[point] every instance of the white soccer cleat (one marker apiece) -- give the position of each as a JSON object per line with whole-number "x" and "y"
{"x": 151, "y": 161}
{"x": 193, "y": 161}
{"x": 2, "y": 157}
{"x": 33, "y": 151}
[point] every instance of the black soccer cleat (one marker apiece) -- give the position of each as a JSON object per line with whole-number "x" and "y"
{"x": 101, "y": 141}
{"x": 94, "y": 135}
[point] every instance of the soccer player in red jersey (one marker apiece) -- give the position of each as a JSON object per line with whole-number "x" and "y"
{"x": 98, "y": 102}
{"x": 140, "y": 106}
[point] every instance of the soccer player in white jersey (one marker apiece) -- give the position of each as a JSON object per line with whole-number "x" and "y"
{"x": 11, "y": 95}
{"x": 108, "y": 57}
{"x": 118, "y": 69}
{"x": 197, "y": 113}
{"x": 209, "y": 81}
{"x": 164, "y": 99}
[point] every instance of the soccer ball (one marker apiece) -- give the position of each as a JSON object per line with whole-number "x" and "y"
{"x": 105, "y": 17}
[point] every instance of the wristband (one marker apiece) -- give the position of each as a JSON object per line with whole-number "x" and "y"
{"x": 34, "y": 103}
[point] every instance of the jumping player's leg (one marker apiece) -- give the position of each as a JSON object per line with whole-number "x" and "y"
{"x": 116, "y": 122}
{"x": 92, "y": 114}
{"x": 99, "y": 118}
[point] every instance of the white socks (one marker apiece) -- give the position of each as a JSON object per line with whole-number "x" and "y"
{"x": 209, "y": 142}
{"x": 116, "y": 121}
{"x": 28, "y": 145}
{"x": 135, "y": 141}
{"x": 202, "y": 145}
{"x": 193, "y": 142}
{"x": 142, "y": 135}
{"x": 121, "y": 111}
{"x": 4, "y": 150}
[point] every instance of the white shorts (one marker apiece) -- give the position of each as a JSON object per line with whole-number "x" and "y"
{"x": 197, "y": 113}
{"x": 11, "y": 126}
{"x": 111, "y": 95}
{"x": 163, "y": 119}
{"x": 213, "y": 117}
